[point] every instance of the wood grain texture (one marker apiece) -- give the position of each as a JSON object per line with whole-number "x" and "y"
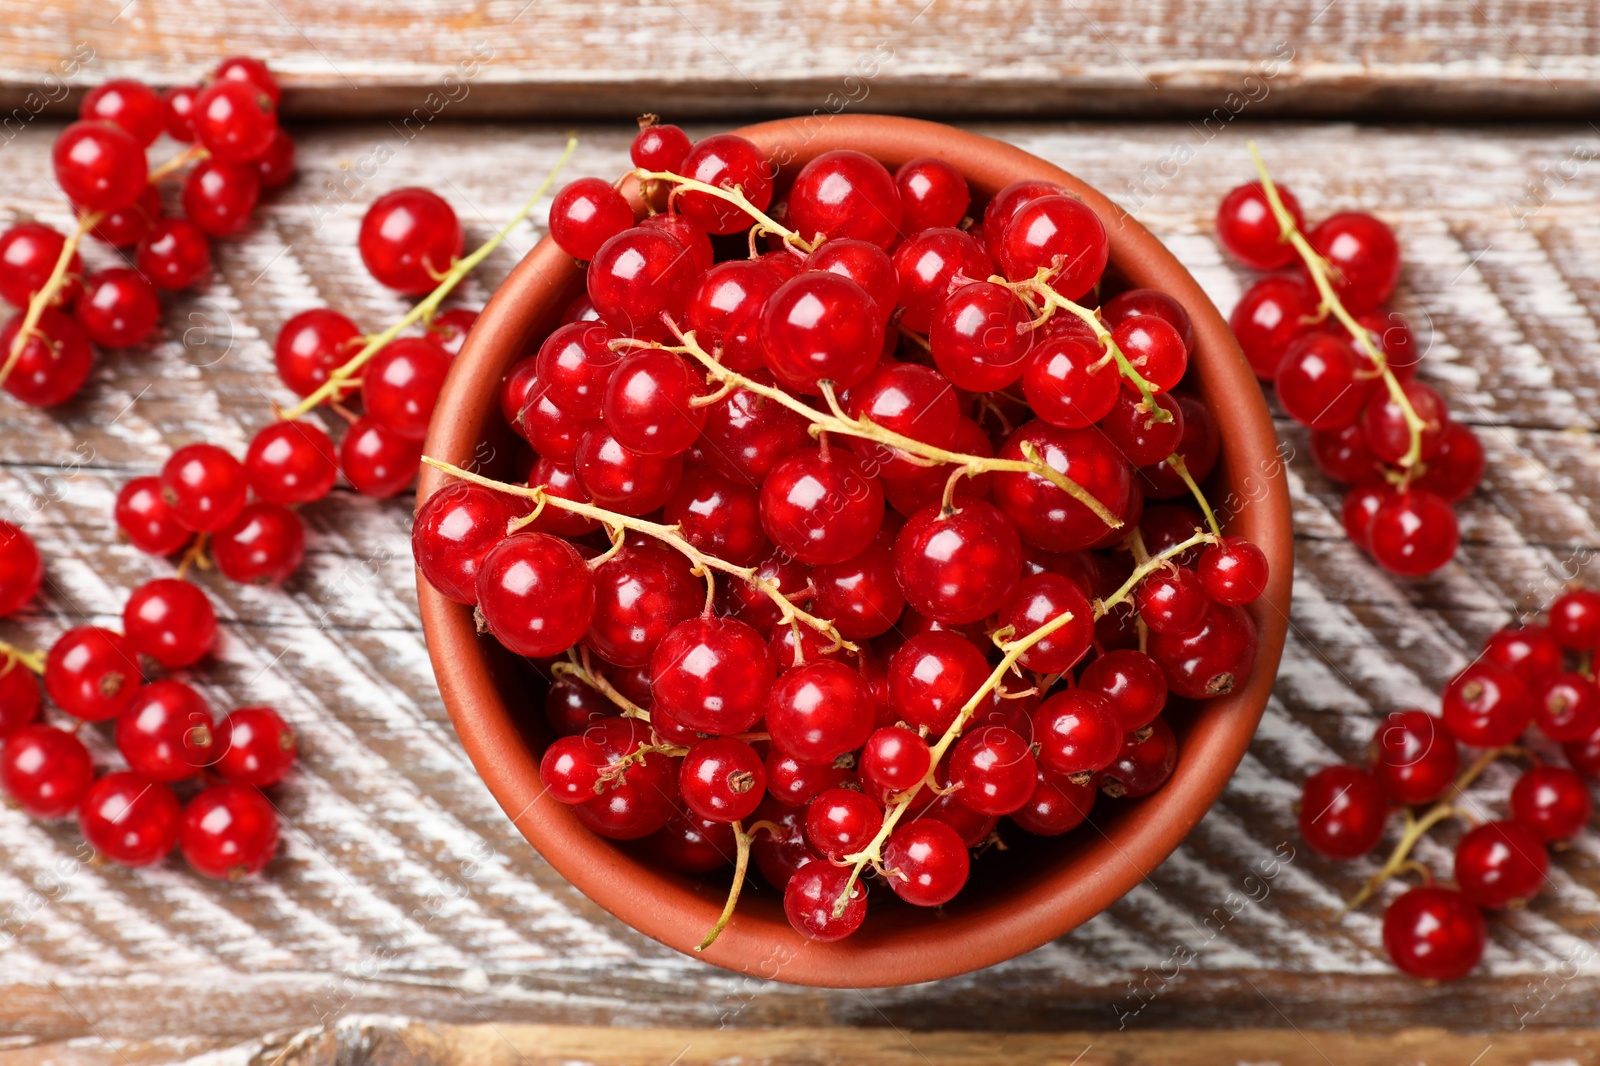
{"x": 402, "y": 890}
{"x": 1381, "y": 58}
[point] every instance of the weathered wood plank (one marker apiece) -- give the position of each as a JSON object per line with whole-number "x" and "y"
{"x": 369, "y": 910}
{"x": 427, "y": 58}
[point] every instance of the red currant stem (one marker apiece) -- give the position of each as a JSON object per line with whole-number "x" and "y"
{"x": 667, "y": 534}
{"x": 763, "y": 223}
{"x": 1181, "y": 468}
{"x": 195, "y": 556}
{"x": 1318, "y": 268}
{"x": 1149, "y": 566}
{"x": 47, "y": 292}
{"x": 873, "y": 852}
{"x": 1416, "y": 828}
{"x": 584, "y": 671}
{"x": 741, "y": 864}
{"x": 914, "y": 337}
{"x": 842, "y": 424}
{"x": 192, "y": 154}
{"x": 947, "y": 503}
{"x": 1040, "y": 287}
{"x": 616, "y": 774}
{"x": 33, "y": 660}
{"x": 338, "y": 380}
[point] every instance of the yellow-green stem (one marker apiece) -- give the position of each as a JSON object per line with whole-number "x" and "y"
{"x": 1181, "y": 468}
{"x": 741, "y": 864}
{"x": 735, "y": 196}
{"x": 12, "y": 655}
{"x": 339, "y": 380}
{"x": 1318, "y": 268}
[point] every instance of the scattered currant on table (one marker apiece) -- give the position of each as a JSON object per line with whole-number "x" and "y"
{"x": 837, "y": 553}
{"x": 1522, "y": 683}
{"x": 1345, "y": 368}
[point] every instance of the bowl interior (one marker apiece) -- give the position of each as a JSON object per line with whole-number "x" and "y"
{"x": 1019, "y": 898}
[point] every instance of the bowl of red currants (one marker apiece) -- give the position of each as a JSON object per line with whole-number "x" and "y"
{"x": 853, "y": 554}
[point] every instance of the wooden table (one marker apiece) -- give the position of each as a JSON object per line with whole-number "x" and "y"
{"x": 404, "y": 916}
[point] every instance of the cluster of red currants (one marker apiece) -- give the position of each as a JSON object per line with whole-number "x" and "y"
{"x": 869, "y": 631}
{"x": 46, "y": 348}
{"x": 163, "y": 729}
{"x": 1373, "y": 427}
{"x": 1521, "y": 679}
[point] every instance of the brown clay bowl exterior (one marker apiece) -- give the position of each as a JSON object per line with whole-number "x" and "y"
{"x": 1020, "y": 899}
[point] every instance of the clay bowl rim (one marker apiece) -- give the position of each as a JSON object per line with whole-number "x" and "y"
{"x": 897, "y": 945}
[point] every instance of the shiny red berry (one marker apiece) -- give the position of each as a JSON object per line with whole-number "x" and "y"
{"x": 1552, "y": 801}
{"x": 958, "y": 567}
{"x": 311, "y": 345}
{"x": 409, "y": 238}
{"x": 101, "y": 167}
{"x": 1342, "y": 812}
{"x": 1143, "y": 765}
{"x": 229, "y": 832}
{"x": 291, "y": 462}
{"x": 175, "y": 254}
{"x": 536, "y": 594}
{"x": 727, "y": 161}
{"x": 1249, "y": 230}
{"x": 131, "y": 820}
{"x": 171, "y": 621}
{"x": 1575, "y": 620}
{"x": 585, "y": 214}
{"x": 118, "y": 307}
{"x": 1485, "y": 706}
{"x": 1433, "y": 933}
{"x": 933, "y": 193}
{"x": 1413, "y": 758}
{"x": 254, "y": 746}
{"x": 926, "y": 862}
{"x": 1501, "y": 864}
{"x": 91, "y": 673}
{"x": 234, "y": 120}
{"x": 812, "y": 892}
{"x": 166, "y": 732}
{"x": 377, "y": 462}
{"x": 45, "y": 770}
{"x": 453, "y": 531}
{"x": 819, "y": 711}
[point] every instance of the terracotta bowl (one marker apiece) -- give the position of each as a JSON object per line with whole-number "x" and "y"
{"x": 1020, "y": 898}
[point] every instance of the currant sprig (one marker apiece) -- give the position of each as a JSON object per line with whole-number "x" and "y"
{"x": 669, "y": 535}
{"x": 764, "y": 224}
{"x": 1318, "y": 268}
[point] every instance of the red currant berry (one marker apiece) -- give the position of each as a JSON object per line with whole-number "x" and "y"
{"x": 250, "y": 70}
{"x": 449, "y": 329}
{"x": 574, "y": 365}
{"x": 254, "y": 746}
{"x": 895, "y": 759}
{"x": 100, "y": 167}
{"x": 649, "y": 403}
{"x": 409, "y": 238}
{"x": 128, "y": 226}
{"x": 928, "y": 264}
{"x": 1342, "y": 454}
{"x": 571, "y": 705}
{"x": 1209, "y": 661}
{"x": 275, "y": 167}
{"x": 659, "y": 147}
{"x": 861, "y": 595}
{"x": 1133, "y": 429}
{"x": 841, "y": 822}
{"x": 1249, "y": 230}
{"x": 819, "y": 327}
{"x": 958, "y": 567}
{"x": 820, "y": 710}
{"x": 1575, "y": 620}
{"x": 19, "y": 696}
{"x": 311, "y": 345}
{"x": 722, "y": 779}
{"x": 53, "y": 362}
{"x": 796, "y": 783}
{"x": 1132, "y": 681}
{"x": 692, "y": 845}
{"x": 639, "y": 596}
{"x": 1234, "y": 572}
{"x": 146, "y": 520}
{"x": 1584, "y": 755}
{"x": 166, "y": 731}
{"x": 634, "y": 801}
{"x": 1320, "y": 382}
{"x": 204, "y": 486}
{"x": 561, "y": 480}
{"x": 1070, "y": 383}
{"x": 864, "y": 263}
{"x": 1143, "y": 765}
{"x": 21, "y": 569}
{"x": 1045, "y": 516}
{"x": 45, "y": 770}
{"x": 1433, "y": 933}
{"x": 1359, "y": 506}
{"x": 229, "y": 832}
{"x": 234, "y": 120}
{"x": 28, "y": 255}
{"x": 1057, "y": 806}
{"x": 376, "y": 462}
{"x": 1552, "y": 802}
{"x": 927, "y": 862}
{"x": 175, "y": 254}
{"x": 1388, "y": 433}
{"x": 621, "y": 480}
{"x": 1457, "y": 467}
{"x": 1413, "y": 758}
{"x": 171, "y": 621}
{"x": 91, "y": 673}
{"x": 821, "y": 508}
{"x": 1038, "y": 600}
{"x": 1200, "y": 447}
{"x": 1007, "y": 202}
{"x": 727, "y": 161}
{"x": 810, "y": 894}
{"x": 1364, "y": 255}
{"x": 994, "y": 770}
{"x": 1077, "y": 733}
{"x": 1412, "y": 533}
{"x": 639, "y": 276}
{"x": 118, "y": 307}
{"x": 131, "y": 105}
{"x": 587, "y": 213}
{"x": 1172, "y": 600}
{"x": 454, "y": 529}
{"x": 1270, "y": 314}
{"x": 1486, "y": 706}
{"x": 536, "y": 594}
{"x": 130, "y": 819}
{"x": 1530, "y": 652}
{"x": 291, "y": 462}
{"x": 400, "y": 386}
{"x": 1156, "y": 349}
{"x": 933, "y": 194}
{"x": 911, "y": 400}
{"x": 1151, "y": 302}
{"x": 747, "y": 434}
{"x": 980, "y": 337}
{"x": 1342, "y": 812}
{"x": 847, "y": 195}
{"x": 218, "y": 197}
{"x": 177, "y": 112}
{"x": 725, "y": 309}
{"x": 754, "y": 606}
{"x": 932, "y": 675}
{"x": 1501, "y": 864}
{"x": 1060, "y": 233}
{"x": 1567, "y": 707}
